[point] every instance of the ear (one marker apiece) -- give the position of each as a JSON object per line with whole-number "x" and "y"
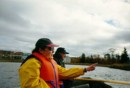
{"x": 40, "y": 50}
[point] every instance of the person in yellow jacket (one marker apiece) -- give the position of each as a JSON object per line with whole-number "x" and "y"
{"x": 39, "y": 70}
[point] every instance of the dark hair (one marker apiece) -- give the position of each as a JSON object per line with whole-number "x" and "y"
{"x": 57, "y": 55}
{"x": 36, "y": 49}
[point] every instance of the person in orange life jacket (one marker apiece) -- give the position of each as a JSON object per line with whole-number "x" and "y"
{"x": 59, "y": 57}
{"x": 39, "y": 70}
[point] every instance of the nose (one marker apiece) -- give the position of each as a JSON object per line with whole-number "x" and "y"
{"x": 52, "y": 51}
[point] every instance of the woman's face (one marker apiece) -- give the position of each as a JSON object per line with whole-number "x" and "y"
{"x": 48, "y": 52}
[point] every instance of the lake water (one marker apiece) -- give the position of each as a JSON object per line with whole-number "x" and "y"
{"x": 9, "y": 75}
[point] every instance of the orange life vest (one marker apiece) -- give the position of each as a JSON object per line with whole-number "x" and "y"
{"x": 48, "y": 71}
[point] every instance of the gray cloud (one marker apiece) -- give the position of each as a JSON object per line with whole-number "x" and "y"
{"x": 12, "y": 13}
{"x": 123, "y": 36}
{"x": 88, "y": 27}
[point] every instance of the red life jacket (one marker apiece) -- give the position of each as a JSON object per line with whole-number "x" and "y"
{"x": 48, "y": 71}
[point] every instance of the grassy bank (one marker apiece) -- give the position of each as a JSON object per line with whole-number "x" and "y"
{"x": 116, "y": 66}
{"x": 10, "y": 60}
{"x": 121, "y": 66}
{"x": 87, "y": 64}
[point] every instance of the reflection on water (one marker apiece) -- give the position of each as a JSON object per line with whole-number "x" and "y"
{"x": 9, "y": 75}
{"x": 108, "y": 74}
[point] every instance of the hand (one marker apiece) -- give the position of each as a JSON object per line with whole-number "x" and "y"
{"x": 91, "y": 67}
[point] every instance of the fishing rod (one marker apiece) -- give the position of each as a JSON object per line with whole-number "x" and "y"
{"x": 103, "y": 80}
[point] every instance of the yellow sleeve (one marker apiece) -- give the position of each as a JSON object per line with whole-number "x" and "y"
{"x": 29, "y": 74}
{"x": 69, "y": 73}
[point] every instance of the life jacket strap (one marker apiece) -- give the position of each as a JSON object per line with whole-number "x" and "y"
{"x": 51, "y": 83}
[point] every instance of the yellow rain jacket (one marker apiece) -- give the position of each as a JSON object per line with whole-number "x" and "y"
{"x": 29, "y": 74}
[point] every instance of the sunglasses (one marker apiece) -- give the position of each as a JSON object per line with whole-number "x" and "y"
{"x": 50, "y": 48}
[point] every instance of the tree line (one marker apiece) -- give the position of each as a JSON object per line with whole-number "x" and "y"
{"x": 107, "y": 59}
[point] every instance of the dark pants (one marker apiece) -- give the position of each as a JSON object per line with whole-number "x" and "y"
{"x": 81, "y": 86}
{"x": 84, "y": 84}
{"x": 68, "y": 83}
{"x": 75, "y": 84}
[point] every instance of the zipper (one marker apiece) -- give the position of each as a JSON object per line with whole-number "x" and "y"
{"x": 55, "y": 75}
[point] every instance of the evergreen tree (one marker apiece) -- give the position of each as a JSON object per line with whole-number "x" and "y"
{"x": 91, "y": 59}
{"x": 118, "y": 58}
{"x": 82, "y": 60}
{"x": 124, "y": 56}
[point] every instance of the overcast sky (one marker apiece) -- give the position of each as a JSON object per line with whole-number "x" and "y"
{"x": 81, "y": 26}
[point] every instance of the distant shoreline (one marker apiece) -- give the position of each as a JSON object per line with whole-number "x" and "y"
{"x": 116, "y": 66}
{"x": 10, "y": 60}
